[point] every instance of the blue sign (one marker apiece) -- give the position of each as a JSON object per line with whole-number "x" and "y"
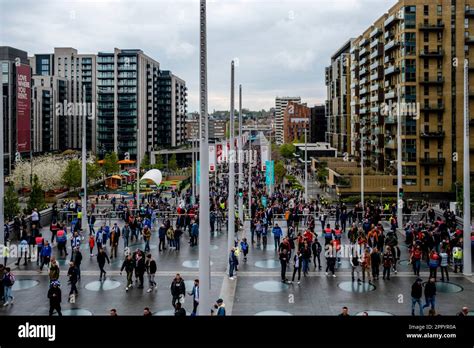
{"x": 198, "y": 172}
{"x": 264, "y": 201}
{"x": 270, "y": 173}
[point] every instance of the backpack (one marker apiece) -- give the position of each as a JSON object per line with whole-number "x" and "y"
{"x": 12, "y": 278}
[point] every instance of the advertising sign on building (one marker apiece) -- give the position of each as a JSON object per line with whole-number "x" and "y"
{"x": 23, "y": 107}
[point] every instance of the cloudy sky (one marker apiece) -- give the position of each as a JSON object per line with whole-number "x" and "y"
{"x": 281, "y": 47}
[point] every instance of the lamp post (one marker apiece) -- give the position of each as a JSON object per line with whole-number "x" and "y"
{"x": 362, "y": 166}
{"x": 305, "y": 165}
{"x": 2, "y": 170}
{"x": 399, "y": 161}
{"x": 204, "y": 233}
{"x": 231, "y": 197}
{"x": 467, "y": 179}
{"x": 240, "y": 158}
{"x": 84, "y": 163}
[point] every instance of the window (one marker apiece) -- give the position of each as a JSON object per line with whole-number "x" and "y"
{"x": 409, "y": 150}
{"x": 426, "y": 65}
{"x": 409, "y": 170}
{"x": 440, "y": 143}
{"x": 440, "y": 182}
{"x": 427, "y": 144}
{"x": 466, "y": 23}
{"x": 440, "y": 171}
{"x": 427, "y": 182}
{"x": 426, "y": 10}
{"x": 427, "y": 170}
{"x": 426, "y": 90}
{"x": 439, "y": 10}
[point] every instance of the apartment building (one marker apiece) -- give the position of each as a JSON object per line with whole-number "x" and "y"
{"x": 15, "y": 84}
{"x": 408, "y": 55}
{"x": 338, "y": 81}
{"x": 280, "y": 106}
{"x": 317, "y": 125}
{"x": 296, "y": 119}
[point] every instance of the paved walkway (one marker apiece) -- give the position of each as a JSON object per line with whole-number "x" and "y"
{"x": 257, "y": 289}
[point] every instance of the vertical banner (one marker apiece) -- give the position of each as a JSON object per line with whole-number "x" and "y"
{"x": 212, "y": 158}
{"x": 270, "y": 173}
{"x": 198, "y": 172}
{"x": 264, "y": 156}
{"x": 219, "y": 153}
{"x": 23, "y": 107}
{"x": 264, "y": 201}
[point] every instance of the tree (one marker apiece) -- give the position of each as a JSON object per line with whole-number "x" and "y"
{"x": 173, "y": 163}
{"x": 158, "y": 162}
{"x": 280, "y": 171}
{"x": 72, "y": 175}
{"x": 145, "y": 164}
{"x": 11, "y": 203}
{"x": 37, "y": 196}
{"x": 110, "y": 164}
{"x": 460, "y": 195}
{"x": 93, "y": 171}
{"x": 287, "y": 150}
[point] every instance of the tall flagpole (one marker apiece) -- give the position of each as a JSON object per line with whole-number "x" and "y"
{"x": 240, "y": 157}
{"x": 231, "y": 160}
{"x": 204, "y": 233}
{"x": 84, "y": 163}
{"x": 467, "y": 179}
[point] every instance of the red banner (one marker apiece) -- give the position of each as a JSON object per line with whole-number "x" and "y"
{"x": 23, "y": 108}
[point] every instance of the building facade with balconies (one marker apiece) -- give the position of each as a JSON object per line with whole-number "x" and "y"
{"x": 410, "y": 51}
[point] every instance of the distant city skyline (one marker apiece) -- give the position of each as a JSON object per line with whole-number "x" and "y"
{"x": 281, "y": 47}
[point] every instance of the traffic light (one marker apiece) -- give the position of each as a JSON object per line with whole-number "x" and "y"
{"x": 400, "y": 194}
{"x": 241, "y": 192}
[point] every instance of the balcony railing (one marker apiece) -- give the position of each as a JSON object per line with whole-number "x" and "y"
{"x": 392, "y": 44}
{"x": 429, "y": 53}
{"x": 432, "y": 161}
{"x": 391, "y": 70}
{"x": 432, "y": 135}
{"x": 469, "y": 12}
{"x": 432, "y": 80}
{"x": 433, "y": 27}
{"x": 439, "y": 107}
{"x": 469, "y": 40}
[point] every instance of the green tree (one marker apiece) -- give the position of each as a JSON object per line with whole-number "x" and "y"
{"x": 36, "y": 197}
{"x": 158, "y": 162}
{"x": 72, "y": 175}
{"x": 173, "y": 163}
{"x": 280, "y": 171}
{"x": 287, "y": 150}
{"x": 11, "y": 203}
{"x": 460, "y": 195}
{"x": 145, "y": 164}
{"x": 110, "y": 164}
{"x": 93, "y": 172}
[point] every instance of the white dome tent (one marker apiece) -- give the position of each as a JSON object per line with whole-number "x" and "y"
{"x": 153, "y": 175}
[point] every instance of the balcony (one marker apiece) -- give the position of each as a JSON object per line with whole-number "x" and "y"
{"x": 363, "y": 72}
{"x": 469, "y": 40}
{"x": 432, "y": 80}
{"x": 363, "y": 61}
{"x": 431, "y": 27}
{"x": 388, "y": 59}
{"x": 437, "y": 108}
{"x": 375, "y": 32}
{"x": 390, "y": 21}
{"x": 431, "y": 54}
{"x": 469, "y": 12}
{"x": 363, "y": 42}
{"x": 363, "y": 111}
{"x": 363, "y": 52}
{"x": 363, "y": 81}
{"x": 374, "y": 87}
{"x": 374, "y": 76}
{"x": 391, "y": 45}
{"x": 388, "y": 35}
{"x": 363, "y": 91}
{"x": 391, "y": 70}
{"x": 375, "y": 54}
{"x": 363, "y": 101}
{"x": 374, "y": 65}
{"x": 432, "y": 135}
{"x": 432, "y": 161}
{"x": 374, "y": 109}
{"x": 390, "y": 120}
{"x": 374, "y": 43}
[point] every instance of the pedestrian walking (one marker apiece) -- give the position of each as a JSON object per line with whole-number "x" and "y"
{"x": 101, "y": 258}
{"x": 178, "y": 290}
{"x": 150, "y": 265}
{"x": 129, "y": 265}
{"x": 54, "y": 295}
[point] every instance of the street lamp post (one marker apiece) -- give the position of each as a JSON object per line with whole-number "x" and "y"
{"x": 84, "y": 163}
{"x": 2, "y": 169}
{"x": 204, "y": 233}
{"x": 362, "y": 167}
{"x": 399, "y": 160}
{"x": 467, "y": 182}
{"x": 305, "y": 166}
{"x": 231, "y": 157}
{"x": 240, "y": 158}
